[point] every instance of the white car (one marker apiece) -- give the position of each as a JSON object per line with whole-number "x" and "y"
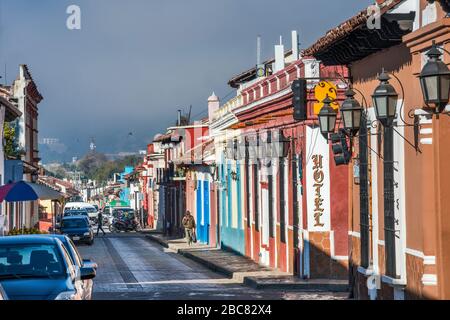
{"x": 92, "y": 211}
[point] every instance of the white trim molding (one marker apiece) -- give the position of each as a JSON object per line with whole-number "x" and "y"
{"x": 429, "y": 260}
{"x": 415, "y": 253}
{"x": 354, "y": 234}
{"x": 429, "y": 280}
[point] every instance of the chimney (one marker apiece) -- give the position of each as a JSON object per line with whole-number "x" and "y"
{"x": 279, "y": 56}
{"x": 213, "y": 106}
{"x": 179, "y": 118}
{"x": 295, "y": 45}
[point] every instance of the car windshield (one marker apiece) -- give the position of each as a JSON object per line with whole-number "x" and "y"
{"x": 91, "y": 210}
{"x": 75, "y": 213}
{"x": 74, "y": 223}
{"x": 30, "y": 261}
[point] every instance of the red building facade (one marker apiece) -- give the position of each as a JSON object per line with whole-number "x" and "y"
{"x": 295, "y": 202}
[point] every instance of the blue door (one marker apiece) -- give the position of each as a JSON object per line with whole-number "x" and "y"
{"x": 199, "y": 208}
{"x": 206, "y": 212}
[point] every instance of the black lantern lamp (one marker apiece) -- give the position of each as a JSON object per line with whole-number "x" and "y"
{"x": 351, "y": 112}
{"x": 269, "y": 145}
{"x": 327, "y": 117}
{"x": 435, "y": 80}
{"x": 385, "y": 100}
{"x": 285, "y": 144}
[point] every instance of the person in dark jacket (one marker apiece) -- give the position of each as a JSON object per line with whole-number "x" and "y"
{"x": 189, "y": 227}
{"x": 100, "y": 223}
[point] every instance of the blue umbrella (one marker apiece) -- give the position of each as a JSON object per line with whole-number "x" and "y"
{"x": 27, "y": 191}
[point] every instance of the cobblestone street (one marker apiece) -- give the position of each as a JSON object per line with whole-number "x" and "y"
{"x": 131, "y": 267}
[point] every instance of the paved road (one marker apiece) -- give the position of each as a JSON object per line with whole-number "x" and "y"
{"x": 132, "y": 267}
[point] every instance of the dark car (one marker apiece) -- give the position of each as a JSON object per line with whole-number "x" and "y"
{"x": 77, "y": 262}
{"x": 78, "y": 229}
{"x": 40, "y": 268}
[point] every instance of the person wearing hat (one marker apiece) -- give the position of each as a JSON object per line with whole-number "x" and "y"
{"x": 189, "y": 227}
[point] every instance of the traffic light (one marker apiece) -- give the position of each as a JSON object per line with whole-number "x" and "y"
{"x": 299, "y": 99}
{"x": 340, "y": 148}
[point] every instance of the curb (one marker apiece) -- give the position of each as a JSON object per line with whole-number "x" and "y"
{"x": 156, "y": 239}
{"x": 210, "y": 265}
{"x": 312, "y": 287}
{"x": 252, "y": 281}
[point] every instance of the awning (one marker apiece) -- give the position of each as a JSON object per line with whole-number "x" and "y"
{"x": 27, "y": 191}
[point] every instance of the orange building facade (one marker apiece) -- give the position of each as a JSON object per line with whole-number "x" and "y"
{"x": 399, "y": 239}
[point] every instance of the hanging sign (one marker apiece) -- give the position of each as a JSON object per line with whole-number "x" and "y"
{"x": 321, "y": 90}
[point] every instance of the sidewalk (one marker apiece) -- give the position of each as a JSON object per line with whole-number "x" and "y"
{"x": 243, "y": 269}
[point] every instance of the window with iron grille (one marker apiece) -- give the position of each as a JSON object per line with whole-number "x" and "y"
{"x": 271, "y": 221}
{"x": 256, "y": 195}
{"x": 295, "y": 201}
{"x": 247, "y": 192}
{"x": 389, "y": 201}
{"x": 364, "y": 194}
{"x": 282, "y": 202}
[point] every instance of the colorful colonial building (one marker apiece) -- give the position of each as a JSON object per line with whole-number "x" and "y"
{"x": 399, "y": 175}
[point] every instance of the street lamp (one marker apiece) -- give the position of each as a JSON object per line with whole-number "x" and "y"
{"x": 327, "y": 117}
{"x": 351, "y": 112}
{"x": 385, "y": 100}
{"x": 435, "y": 79}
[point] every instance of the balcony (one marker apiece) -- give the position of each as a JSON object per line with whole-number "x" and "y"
{"x": 228, "y": 107}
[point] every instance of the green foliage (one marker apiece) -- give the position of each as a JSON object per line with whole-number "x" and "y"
{"x": 95, "y": 166}
{"x": 11, "y": 147}
{"x": 17, "y": 232}
{"x": 58, "y": 173}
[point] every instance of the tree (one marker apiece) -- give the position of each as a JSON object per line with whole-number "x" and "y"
{"x": 95, "y": 166}
{"x": 91, "y": 163}
{"x": 10, "y": 147}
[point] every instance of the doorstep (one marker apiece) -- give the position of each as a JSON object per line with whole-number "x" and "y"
{"x": 295, "y": 283}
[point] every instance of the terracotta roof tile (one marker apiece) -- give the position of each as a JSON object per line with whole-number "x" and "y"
{"x": 347, "y": 27}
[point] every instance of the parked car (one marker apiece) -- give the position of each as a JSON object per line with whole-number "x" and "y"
{"x": 78, "y": 262}
{"x": 91, "y": 210}
{"x": 81, "y": 212}
{"x": 78, "y": 229}
{"x": 3, "y": 295}
{"x": 35, "y": 267}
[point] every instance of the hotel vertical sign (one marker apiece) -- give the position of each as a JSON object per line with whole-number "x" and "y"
{"x": 317, "y": 181}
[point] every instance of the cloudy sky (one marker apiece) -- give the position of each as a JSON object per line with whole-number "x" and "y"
{"x": 134, "y": 63}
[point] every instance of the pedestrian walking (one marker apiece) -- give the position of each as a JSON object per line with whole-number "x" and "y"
{"x": 145, "y": 218}
{"x": 189, "y": 227}
{"x": 100, "y": 223}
